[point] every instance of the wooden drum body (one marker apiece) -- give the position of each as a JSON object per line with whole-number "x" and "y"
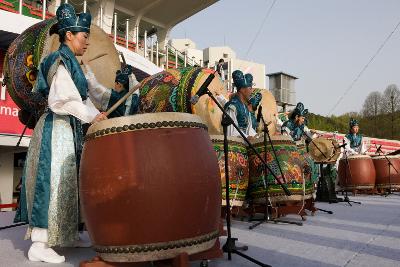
{"x": 382, "y": 172}
{"x": 358, "y": 175}
{"x": 291, "y": 163}
{"x": 172, "y": 89}
{"x": 150, "y": 187}
{"x": 238, "y": 168}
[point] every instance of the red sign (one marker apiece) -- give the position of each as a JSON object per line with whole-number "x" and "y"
{"x": 9, "y": 122}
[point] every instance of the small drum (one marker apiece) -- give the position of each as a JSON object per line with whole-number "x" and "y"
{"x": 150, "y": 187}
{"x": 171, "y": 91}
{"x": 324, "y": 150}
{"x": 269, "y": 109}
{"x": 238, "y": 168}
{"x": 291, "y": 163}
{"x": 358, "y": 174}
{"x": 30, "y": 47}
{"x": 382, "y": 171}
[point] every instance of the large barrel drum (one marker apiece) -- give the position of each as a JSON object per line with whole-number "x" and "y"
{"x": 385, "y": 177}
{"x": 27, "y": 51}
{"x": 291, "y": 163}
{"x": 171, "y": 91}
{"x": 359, "y": 173}
{"x": 150, "y": 187}
{"x": 238, "y": 168}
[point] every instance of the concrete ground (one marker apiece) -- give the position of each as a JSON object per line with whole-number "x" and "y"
{"x": 354, "y": 236}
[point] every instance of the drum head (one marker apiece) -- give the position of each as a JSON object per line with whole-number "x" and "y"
{"x": 28, "y": 50}
{"x": 324, "y": 150}
{"x": 269, "y": 109}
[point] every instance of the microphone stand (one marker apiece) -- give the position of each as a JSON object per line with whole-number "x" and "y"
{"x": 346, "y": 197}
{"x": 230, "y": 247}
{"x": 389, "y": 162}
{"x": 267, "y": 217}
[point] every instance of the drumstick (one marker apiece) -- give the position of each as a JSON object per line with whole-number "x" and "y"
{"x": 130, "y": 92}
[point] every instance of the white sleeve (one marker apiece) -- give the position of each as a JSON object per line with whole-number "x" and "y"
{"x": 64, "y": 98}
{"x": 348, "y": 149}
{"x": 231, "y": 131}
{"x": 221, "y": 99}
{"x": 99, "y": 94}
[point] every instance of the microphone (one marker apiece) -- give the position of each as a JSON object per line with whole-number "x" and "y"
{"x": 203, "y": 89}
{"x": 259, "y": 114}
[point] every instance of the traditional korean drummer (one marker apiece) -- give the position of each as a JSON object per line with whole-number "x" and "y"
{"x": 238, "y": 107}
{"x": 296, "y": 125}
{"x": 353, "y": 139}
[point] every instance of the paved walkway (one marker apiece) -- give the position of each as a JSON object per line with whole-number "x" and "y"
{"x": 358, "y": 236}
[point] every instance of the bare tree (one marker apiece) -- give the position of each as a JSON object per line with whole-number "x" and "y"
{"x": 391, "y": 100}
{"x": 372, "y": 105}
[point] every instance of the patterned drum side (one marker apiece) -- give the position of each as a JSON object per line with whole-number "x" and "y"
{"x": 238, "y": 168}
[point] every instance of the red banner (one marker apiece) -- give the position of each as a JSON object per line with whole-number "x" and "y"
{"x": 9, "y": 122}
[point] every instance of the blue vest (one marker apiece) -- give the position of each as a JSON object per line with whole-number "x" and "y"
{"x": 355, "y": 139}
{"x": 242, "y": 113}
{"x": 121, "y": 109}
{"x": 49, "y": 66}
{"x": 296, "y": 131}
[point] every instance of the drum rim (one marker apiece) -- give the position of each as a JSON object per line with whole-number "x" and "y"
{"x": 143, "y": 122}
{"x": 274, "y": 138}
{"x": 353, "y": 157}
{"x": 217, "y": 138}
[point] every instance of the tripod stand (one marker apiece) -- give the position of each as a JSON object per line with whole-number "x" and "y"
{"x": 389, "y": 163}
{"x": 346, "y": 197}
{"x": 267, "y": 217}
{"x": 230, "y": 247}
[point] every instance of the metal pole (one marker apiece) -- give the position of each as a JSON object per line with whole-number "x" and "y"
{"x": 157, "y": 59}
{"x": 127, "y": 34}
{"x": 166, "y": 56}
{"x": 20, "y": 6}
{"x": 145, "y": 44}
{"x": 151, "y": 50}
{"x": 136, "y": 38}
{"x": 84, "y": 6}
{"x": 101, "y": 17}
{"x": 44, "y": 9}
{"x": 115, "y": 27}
{"x": 176, "y": 58}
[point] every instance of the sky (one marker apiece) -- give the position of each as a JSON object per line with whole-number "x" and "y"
{"x": 325, "y": 43}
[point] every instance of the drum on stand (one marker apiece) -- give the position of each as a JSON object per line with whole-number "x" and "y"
{"x": 150, "y": 187}
{"x": 359, "y": 174}
{"x": 324, "y": 150}
{"x": 26, "y": 52}
{"x": 172, "y": 89}
{"x": 382, "y": 172}
{"x": 238, "y": 168}
{"x": 291, "y": 163}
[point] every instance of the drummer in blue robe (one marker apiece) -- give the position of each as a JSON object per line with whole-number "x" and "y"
{"x": 49, "y": 199}
{"x": 296, "y": 126}
{"x": 238, "y": 107}
{"x": 105, "y": 98}
{"x": 353, "y": 140}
